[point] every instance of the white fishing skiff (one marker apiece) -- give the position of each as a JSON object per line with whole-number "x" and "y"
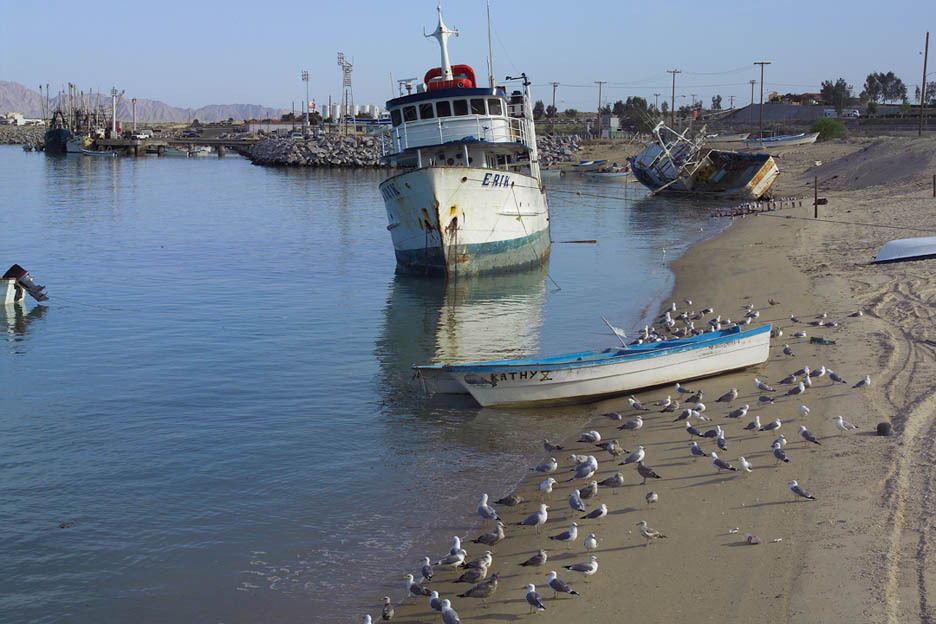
{"x": 593, "y": 375}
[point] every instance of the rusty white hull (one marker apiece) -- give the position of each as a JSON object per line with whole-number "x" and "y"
{"x": 466, "y": 220}
{"x": 590, "y": 376}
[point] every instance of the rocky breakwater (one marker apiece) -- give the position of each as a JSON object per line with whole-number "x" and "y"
{"x": 18, "y": 135}
{"x": 329, "y": 150}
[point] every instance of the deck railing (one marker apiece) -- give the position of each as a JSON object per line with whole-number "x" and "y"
{"x": 430, "y": 132}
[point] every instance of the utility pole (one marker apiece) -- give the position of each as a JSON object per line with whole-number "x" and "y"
{"x": 598, "y": 118}
{"x": 691, "y": 106}
{"x": 923, "y": 87}
{"x": 554, "y": 85}
{"x": 673, "y": 97}
{"x": 731, "y": 99}
{"x": 753, "y": 82}
{"x": 761, "y": 63}
{"x": 305, "y": 123}
{"x": 656, "y": 101}
{"x": 134, "y": 115}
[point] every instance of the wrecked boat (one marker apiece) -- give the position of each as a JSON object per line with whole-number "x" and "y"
{"x": 677, "y": 164}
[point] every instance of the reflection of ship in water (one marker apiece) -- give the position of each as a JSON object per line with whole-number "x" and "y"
{"x": 492, "y": 317}
{"x": 16, "y": 319}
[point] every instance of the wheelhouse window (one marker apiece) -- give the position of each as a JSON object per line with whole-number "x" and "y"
{"x": 477, "y": 106}
{"x": 395, "y": 117}
{"x": 461, "y": 107}
{"x": 444, "y": 108}
{"x": 425, "y": 111}
{"x": 494, "y": 107}
{"x": 409, "y": 113}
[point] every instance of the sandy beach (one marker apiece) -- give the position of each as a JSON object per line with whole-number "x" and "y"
{"x": 863, "y": 551}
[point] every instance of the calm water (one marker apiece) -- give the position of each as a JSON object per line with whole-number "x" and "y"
{"x": 217, "y": 402}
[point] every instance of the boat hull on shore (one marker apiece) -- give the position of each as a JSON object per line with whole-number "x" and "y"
{"x": 781, "y": 142}
{"x": 591, "y": 376}
{"x": 466, "y": 221}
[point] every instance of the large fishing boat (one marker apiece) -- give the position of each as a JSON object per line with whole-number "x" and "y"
{"x": 56, "y": 138}
{"x": 471, "y": 199}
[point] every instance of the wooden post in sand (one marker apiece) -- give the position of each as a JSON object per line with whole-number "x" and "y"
{"x": 815, "y": 185}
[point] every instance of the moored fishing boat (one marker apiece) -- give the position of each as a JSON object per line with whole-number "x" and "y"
{"x": 56, "y": 138}
{"x": 593, "y": 375}
{"x": 471, "y": 199}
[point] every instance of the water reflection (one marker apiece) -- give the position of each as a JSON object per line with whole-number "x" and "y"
{"x": 16, "y": 320}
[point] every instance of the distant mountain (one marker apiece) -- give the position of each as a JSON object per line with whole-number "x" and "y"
{"x": 14, "y": 97}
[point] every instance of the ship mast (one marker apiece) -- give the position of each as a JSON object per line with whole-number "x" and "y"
{"x": 442, "y": 34}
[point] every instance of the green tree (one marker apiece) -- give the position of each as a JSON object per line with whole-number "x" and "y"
{"x": 872, "y": 108}
{"x": 828, "y": 128}
{"x": 930, "y": 93}
{"x": 884, "y": 87}
{"x": 539, "y": 110}
{"x": 571, "y": 113}
{"x": 664, "y": 107}
{"x": 551, "y": 111}
{"x": 618, "y": 109}
{"x": 835, "y": 93}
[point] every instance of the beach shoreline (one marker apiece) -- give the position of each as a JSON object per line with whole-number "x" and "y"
{"x": 858, "y": 553}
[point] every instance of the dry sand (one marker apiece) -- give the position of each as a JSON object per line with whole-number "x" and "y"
{"x": 863, "y": 552}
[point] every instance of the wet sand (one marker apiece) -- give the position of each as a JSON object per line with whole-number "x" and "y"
{"x": 863, "y": 551}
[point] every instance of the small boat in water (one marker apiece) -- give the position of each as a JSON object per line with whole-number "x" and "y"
{"x": 589, "y": 165}
{"x": 105, "y": 153}
{"x": 611, "y": 174}
{"x": 593, "y": 375}
{"x": 175, "y": 151}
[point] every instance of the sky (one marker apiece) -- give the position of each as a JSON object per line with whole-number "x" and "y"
{"x": 195, "y": 53}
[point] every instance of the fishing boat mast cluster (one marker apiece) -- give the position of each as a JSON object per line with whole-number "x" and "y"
{"x": 470, "y": 199}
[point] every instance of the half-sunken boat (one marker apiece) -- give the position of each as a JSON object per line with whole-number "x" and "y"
{"x": 594, "y": 375}
{"x": 471, "y": 199}
{"x": 677, "y": 164}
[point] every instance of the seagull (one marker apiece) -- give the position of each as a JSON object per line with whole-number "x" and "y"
{"x": 492, "y": 538}
{"x": 367, "y": 619}
{"x": 456, "y": 545}
{"x": 591, "y": 542}
{"x": 482, "y": 590}
{"x": 842, "y": 425}
{"x": 434, "y": 603}
{"x": 693, "y": 431}
{"x": 799, "y": 491}
{"x": 807, "y": 436}
{"x": 799, "y": 334}
{"x": 864, "y": 383}
{"x": 550, "y": 447}
{"x": 835, "y": 378}
{"x": 387, "y": 613}
{"x": 819, "y": 372}
{"x": 760, "y": 385}
{"x": 664, "y": 402}
{"x": 741, "y": 412}
{"x": 721, "y": 464}
{"x": 486, "y": 511}
{"x": 613, "y": 416}
{"x": 823, "y": 315}
{"x": 473, "y": 575}
{"x": 646, "y": 472}
{"x": 695, "y": 398}
{"x": 779, "y": 454}
{"x": 586, "y": 469}
{"x": 799, "y": 389}
{"x": 787, "y": 350}
{"x": 755, "y": 424}
{"x": 745, "y": 464}
{"x": 588, "y": 491}
{"x": 857, "y": 314}
{"x": 536, "y": 519}
{"x": 613, "y": 482}
{"x": 794, "y": 319}
{"x": 648, "y": 533}
{"x": 789, "y": 379}
{"x": 636, "y": 456}
{"x": 413, "y": 588}
{"x": 559, "y": 586}
{"x": 426, "y": 569}
{"x": 533, "y": 599}
{"x": 510, "y": 500}
{"x": 764, "y": 399}
{"x": 712, "y": 433}
{"x": 536, "y": 560}
{"x": 652, "y": 497}
{"x": 587, "y": 569}
{"x": 772, "y": 426}
{"x": 633, "y": 424}
{"x": 567, "y": 536}
{"x": 452, "y": 560}
{"x": 803, "y": 411}
{"x": 575, "y": 501}
{"x": 682, "y": 389}
{"x": 807, "y": 381}
{"x": 547, "y": 466}
{"x": 803, "y": 372}
{"x": 696, "y": 450}
{"x": 612, "y": 446}
{"x": 449, "y": 615}
{"x": 484, "y": 560}
{"x": 596, "y": 514}
{"x": 590, "y": 437}
{"x": 683, "y": 415}
{"x": 546, "y": 487}
{"x": 728, "y": 397}
{"x": 699, "y": 408}
{"x": 637, "y": 405}
{"x": 672, "y": 407}
{"x": 721, "y": 443}
{"x": 781, "y": 440}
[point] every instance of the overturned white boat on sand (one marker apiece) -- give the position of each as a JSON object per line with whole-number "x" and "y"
{"x": 677, "y": 164}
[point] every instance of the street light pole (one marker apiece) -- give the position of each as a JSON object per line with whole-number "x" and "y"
{"x": 751, "y": 115}
{"x": 761, "y": 63}
{"x": 673, "y": 97}
{"x": 598, "y": 118}
{"x": 305, "y": 107}
{"x": 923, "y": 86}
{"x": 656, "y": 101}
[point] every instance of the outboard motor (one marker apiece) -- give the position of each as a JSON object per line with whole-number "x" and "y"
{"x": 25, "y": 280}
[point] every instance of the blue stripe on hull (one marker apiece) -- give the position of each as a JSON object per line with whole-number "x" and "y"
{"x": 499, "y": 257}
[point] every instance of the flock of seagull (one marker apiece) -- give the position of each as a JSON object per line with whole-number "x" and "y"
{"x": 688, "y": 407}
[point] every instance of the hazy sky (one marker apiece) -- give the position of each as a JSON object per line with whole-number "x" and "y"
{"x": 195, "y": 53}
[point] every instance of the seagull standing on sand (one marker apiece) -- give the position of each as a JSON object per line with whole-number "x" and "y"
{"x": 486, "y": 511}
{"x": 652, "y": 497}
{"x": 434, "y": 603}
{"x": 682, "y": 389}
{"x": 721, "y": 464}
{"x": 696, "y": 450}
{"x": 728, "y": 397}
{"x": 772, "y": 426}
{"x": 426, "y": 569}
{"x": 741, "y": 412}
{"x": 473, "y": 575}
{"x": 800, "y": 388}
{"x": 482, "y": 590}
{"x": 533, "y": 599}
{"x": 550, "y": 447}
{"x": 781, "y": 440}
{"x": 799, "y": 491}
{"x": 633, "y": 424}
{"x": 547, "y": 466}
{"x": 588, "y": 491}
{"x": 834, "y": 377}
{"x": 764, "y": 399}
{"x": 597, "y": 514}
{"x": 591, "y": 543}
{"x": 646, "y": 472}
{"x": 546, "y": 487}
{"x": 492, "y": 538}
{"x": 536, "y": 560}
{"x": 819, "y": 372}
{"x": 456, "y": 545}
{"x": 613, "y": 482}
{"x": 693, "y": 431}
{"x": 559, "y": 586}
{"x": 484, "y": 561}
{"x": 413, "y": 588}
{"x": 637, "y": 405}
{"x": 664, "y": 402}
{"x": 780, "y": 454}
{"x": 760, "y": 385}
{"x": 636, "y": 456}
{"x": 864, "y": 383}
{"x": 367, "y": 620}
{"x": 575, "y": 501}
{"x": 449, "y": 615}
{"x": 590, "y": 437}
{"x": 536, "y": 519}
{"x": 745, "y": 464}
{"x": 567, "y": 536}
{"x": 842, "y": 425}
{"x": 807, "y": 436}
{"x": 787, "y": 350}
{"x": 803, "y": 411}
{"x": 720, "y": 442}
{"x": 387, "y": 613}
{"x": 754, "y": 425}
{"x": 586, "y": 469}
{"x": 587, "y": 569}
{"x": 452, "y": 560}
{"x": 648, "y": 533}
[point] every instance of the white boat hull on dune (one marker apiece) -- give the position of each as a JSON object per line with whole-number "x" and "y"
{"x": 590, "y": 377}
{"x": 466, "y": 220}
